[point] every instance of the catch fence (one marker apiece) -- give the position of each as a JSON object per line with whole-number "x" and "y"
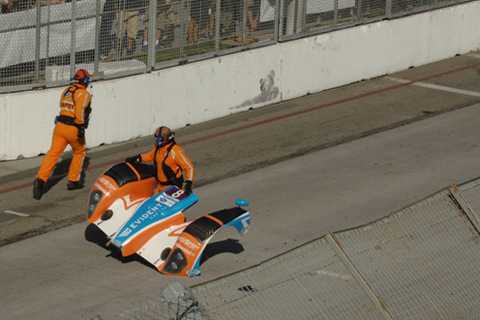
{"x": 418, "y": 263}
{"x": 43, "y": 42}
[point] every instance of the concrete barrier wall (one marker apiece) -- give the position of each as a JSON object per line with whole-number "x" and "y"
{"x": 130, "y": 107}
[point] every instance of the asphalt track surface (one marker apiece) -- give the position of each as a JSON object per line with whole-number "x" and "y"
{"x": 325, "y": 162}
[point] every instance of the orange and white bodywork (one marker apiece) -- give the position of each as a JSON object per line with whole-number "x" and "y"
{"x": 117, "y": 193}
{"x": 122, "y": 206}
{"x": 181, "y": 247}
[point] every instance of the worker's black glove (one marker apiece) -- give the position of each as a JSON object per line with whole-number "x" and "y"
{"x": 81, "y": 132}
{"x": 136, "y": 159}
{"x": 188, "y": 187}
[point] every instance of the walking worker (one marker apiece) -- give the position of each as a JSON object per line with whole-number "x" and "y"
{"x": 170, "y": 161}
{"x": 70, "y": 127}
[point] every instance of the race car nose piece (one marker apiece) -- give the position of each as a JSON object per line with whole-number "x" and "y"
{"x": 241, "y": 202}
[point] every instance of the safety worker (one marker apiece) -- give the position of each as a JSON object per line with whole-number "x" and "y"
{"x": 70, "y": 127}
{"x": 170, "y": 162}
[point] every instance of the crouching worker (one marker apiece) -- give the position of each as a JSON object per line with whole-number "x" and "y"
{"x": 169, "y": 161}
{"x": 70, "y": 127}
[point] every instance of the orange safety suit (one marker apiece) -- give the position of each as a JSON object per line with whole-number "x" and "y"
{"x": 176, "y": 159}
{"x": 73, "y": 104}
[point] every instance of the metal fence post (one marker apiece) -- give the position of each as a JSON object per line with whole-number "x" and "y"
{"x": 97, "y": 38}
{"x": 72, "y": 38}
{"x": 464, "y": 206}
{"x": 218, "y": 21}
{"x": 335, "y": 12}
{"x": 388, "y": 9}
{"x": 290, "y": 11}
{"x": 361, "y": 281}
{"x": 38, "y": 33}
{"x": 301, "y": 16}
{"x": 152, "y": 34}
{"x": 277, "y": 24}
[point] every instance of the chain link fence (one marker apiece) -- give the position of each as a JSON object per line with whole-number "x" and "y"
{"x": 417, "y": 263}
{"x": 43, "y": 42}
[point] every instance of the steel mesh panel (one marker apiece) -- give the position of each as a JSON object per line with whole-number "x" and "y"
{"x": 309, "y": 282}
{"x": 471, "y": 193}
{"x": 420, "y": 261}
{"x": 13, "y": 30}
{"x": 473, "y": 314}
{"x": 50, "y": 35}
{"x": 324, "y": 14}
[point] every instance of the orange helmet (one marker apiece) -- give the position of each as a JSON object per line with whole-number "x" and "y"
{"x": 83, "y": 76}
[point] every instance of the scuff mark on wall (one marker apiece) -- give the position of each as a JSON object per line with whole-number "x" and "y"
{"x": 268, "y": 92}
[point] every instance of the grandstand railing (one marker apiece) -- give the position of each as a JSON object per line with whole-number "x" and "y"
{"x": 42, "y": 44}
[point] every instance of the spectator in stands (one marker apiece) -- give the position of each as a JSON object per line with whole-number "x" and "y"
{"x": 127, "y": 21}
{"x": 253, "y": 14}
{"x": 227, "y": 8}
{"x": 106, "y": 37}
{"x": 252, "y": 20}
{"x": 202, "y": 14}
{"x": 158, "y": 25}
{"x": 193, "y": 24}
{"x": 168, "y": 18}
{"x": 69, "y": 129}
{"x": 165, "y": 24}
{"x": 170, "y": 162}
{"x": 9, "y": 6}
{"x": 26, "y": 5}
{"x": 211, "y": 12}
{"x": 51, "y": 2}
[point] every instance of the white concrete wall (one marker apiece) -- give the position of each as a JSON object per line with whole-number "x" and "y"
{"x": 130, "y": 107}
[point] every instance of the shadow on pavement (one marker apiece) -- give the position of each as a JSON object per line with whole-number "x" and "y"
{"x": 61, "y": 171}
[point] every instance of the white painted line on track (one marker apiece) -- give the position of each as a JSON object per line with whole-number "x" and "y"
{"x": 17, "y": 213}
{"x": 475, "y": 55}
{"x": 333, "y": 274}
{"x": 436, "y": 87}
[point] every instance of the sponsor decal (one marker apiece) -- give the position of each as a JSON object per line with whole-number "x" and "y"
{"x": 193, "y": 272}
{"x": 105, "y": 186}
{"x": 165, "y": 201}
{"x": 185, "y": 250}
{"x": 176, "y": 194}
{"x": 125, "y": 233}
{"x": 246, "y": 225}
{"x": 149, "y": 215}
{"x": 188, "y": 243}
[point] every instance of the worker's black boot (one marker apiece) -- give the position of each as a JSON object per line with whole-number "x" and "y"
{"x": 72, "y": 185}
{"x": 38, "y": 188}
